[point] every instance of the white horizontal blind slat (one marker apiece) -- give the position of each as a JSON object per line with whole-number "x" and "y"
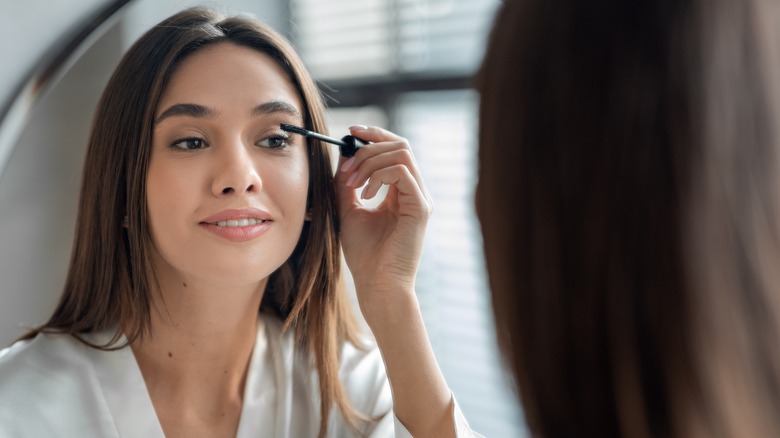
{"x": 374, "y": 38}
{"x": 345, "y": 38}
{"x": 437, "y": 35}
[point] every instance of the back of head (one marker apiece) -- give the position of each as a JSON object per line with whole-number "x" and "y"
{"x": 628, "y": 155}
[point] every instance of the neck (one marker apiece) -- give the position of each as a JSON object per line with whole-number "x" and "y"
{"x": 200, "y": 345}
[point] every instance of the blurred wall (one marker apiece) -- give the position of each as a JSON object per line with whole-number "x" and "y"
{"x": 31, "y": 30}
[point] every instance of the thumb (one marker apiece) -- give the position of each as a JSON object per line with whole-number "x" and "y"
{"x": 346, "y": 198}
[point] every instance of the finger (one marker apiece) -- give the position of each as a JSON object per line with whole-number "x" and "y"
{"x": 377, "y": 155}
{"x": 377, "y": 148}
{"x": 367, "y": 165}
{"x": 365, "y": 170}
{"x": 383, "y": 141}
{"x": 340, "y": 176}
{"x": 346, "y": 198}
{"x": 374, "y": 134}
{"x": 409, "y": 193}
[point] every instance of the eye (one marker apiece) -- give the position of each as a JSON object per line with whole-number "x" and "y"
{"x": 189, "y": 143}
{"x": 277, "y": 141}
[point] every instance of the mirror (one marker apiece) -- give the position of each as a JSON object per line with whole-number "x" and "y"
{"x": 43, "y": 137}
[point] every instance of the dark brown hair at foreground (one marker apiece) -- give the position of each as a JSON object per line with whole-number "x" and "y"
{"x": 628, "y": 196}
{"x": 111, "y": 282}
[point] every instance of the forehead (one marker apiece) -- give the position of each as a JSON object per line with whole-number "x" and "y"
{"x": 226, "y": 75}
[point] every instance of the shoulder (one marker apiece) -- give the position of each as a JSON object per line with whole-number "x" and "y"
{"x": 361, "y": 370}
{"x": 37, "y": 362}
{"x": 42, "y": 345}
{"x": 47, "y": 384}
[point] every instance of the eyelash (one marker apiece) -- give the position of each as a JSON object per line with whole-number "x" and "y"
{"x": 176, "y": 144}
{"x": 285, "y": 141}
{"x": 185, "y": 143}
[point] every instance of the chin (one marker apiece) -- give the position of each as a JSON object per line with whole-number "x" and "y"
{"x": 235, "y": 275}
{"x": 219, "y": 267}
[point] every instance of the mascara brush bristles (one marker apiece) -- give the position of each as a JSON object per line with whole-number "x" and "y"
{"x": 307, "y": 133}
{"x": 295, "y": 129}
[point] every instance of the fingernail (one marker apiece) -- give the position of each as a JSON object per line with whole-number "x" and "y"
{"x": 351, "y": 179}
{"x": 358, "y": 127}
{"x": 348, "y": 164}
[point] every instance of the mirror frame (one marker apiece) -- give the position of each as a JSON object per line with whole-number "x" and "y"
{"x": 48, "y": 70}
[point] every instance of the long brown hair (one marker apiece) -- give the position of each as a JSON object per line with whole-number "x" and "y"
{"x": 111, "y": 281}
{"x": 628, "y": 196}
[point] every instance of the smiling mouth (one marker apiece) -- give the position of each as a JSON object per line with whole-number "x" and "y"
{"x": 246, "y": 222}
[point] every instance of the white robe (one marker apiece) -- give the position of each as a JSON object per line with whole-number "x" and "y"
{"x": 54, "y": 385}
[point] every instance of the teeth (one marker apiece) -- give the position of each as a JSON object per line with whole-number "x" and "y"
{"x": 240, "y": 222}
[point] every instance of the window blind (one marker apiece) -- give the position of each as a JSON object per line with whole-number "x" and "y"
{"x": 382, "y": 43}
{"x": 369, "y": 38}
{"x": 345, "y": 38}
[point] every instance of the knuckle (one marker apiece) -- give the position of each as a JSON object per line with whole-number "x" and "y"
{"x": 400, "y": 167}
{"x": 428, "y": 208}
{"x": 406, "y": 155}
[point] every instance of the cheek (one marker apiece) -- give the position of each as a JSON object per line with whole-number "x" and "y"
{"x": 300, "y": 181}
{"x": 166, "y": 193}
{"x": 293, "y": 185}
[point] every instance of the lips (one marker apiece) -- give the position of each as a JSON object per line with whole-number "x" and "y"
{"x": 237, "y": 218}
{"x": 238, "y": 225}
{"x": 238, "y": 222}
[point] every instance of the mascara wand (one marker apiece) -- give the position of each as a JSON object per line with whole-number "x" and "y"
{"x": 348, "y": 145}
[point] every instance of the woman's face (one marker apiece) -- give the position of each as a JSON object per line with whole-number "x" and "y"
{"x": 226, "y": 188}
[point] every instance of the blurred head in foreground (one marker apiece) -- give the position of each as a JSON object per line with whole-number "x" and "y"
{"x": 628, "y": 197}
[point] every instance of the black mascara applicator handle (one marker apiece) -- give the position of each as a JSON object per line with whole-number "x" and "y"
{"x": 351, "y": 145}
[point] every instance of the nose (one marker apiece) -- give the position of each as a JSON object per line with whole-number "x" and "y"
{"x": 235, "y": 171}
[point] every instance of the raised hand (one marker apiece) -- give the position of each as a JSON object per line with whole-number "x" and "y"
{"x": 382, "y": 245}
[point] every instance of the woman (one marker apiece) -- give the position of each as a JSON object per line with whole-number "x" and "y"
{"x": 628, "y": 201}
{"x": 197, "y": 211}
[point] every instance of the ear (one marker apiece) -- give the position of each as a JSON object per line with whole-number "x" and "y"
{"x": 308, "y": 215}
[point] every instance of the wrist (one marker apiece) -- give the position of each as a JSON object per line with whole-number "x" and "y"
{"x": 388, "y": 310}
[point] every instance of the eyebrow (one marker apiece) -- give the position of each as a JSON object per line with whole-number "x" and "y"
{"x": 200, "y": 111}
{"x": 275, "y": 106}
{"x": 186, "y": 109}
